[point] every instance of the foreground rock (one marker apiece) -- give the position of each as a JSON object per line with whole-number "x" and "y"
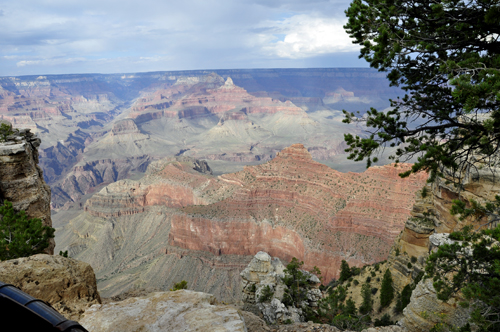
{"x": 66, "y": 284}
{"x": 164, "y": 311}
{"x": 425, "y": 309}
{"x": 266, "y": 272}
{"x": 21, "y": 179}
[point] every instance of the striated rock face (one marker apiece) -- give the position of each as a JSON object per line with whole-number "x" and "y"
{"x": 176, "y": 215}
{"x": 195, "y": 97}
{"x": 171, "y": 311}
{"x": 21, "y": 179}
{"x": 293, "y": 206}
{"x": 422, "y": 313}
{"x": 66, "y": 284}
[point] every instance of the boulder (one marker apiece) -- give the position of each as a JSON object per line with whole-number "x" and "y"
{"x": 66, "y": 284}
{"x": 181, "y": 310}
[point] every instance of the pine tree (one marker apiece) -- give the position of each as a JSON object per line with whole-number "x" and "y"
{"x": 366, "y": 292}
{"x": 387, "y": 290}
{"x": 20, "y": 236}
{"x": 345, "y": 271}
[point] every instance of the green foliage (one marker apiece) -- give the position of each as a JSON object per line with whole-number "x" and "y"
{"x": 385, "y": 320}
{"x": 20, "y": 236}
{"x": 366, "y": 307}
{"x": 355, "y": 282}
{"x": 345, "y": 271}
{"x": 63, "y": 253}
{"x": 316, "y": 271}
{"x": 179, "y": 286}
{"x": 355, "y": 271}
{"x": 413, "y": 259}
{"x": 5, "y": 130}
{"x": 297, "y": 283}
{"x": 266, "y": 294}
{"x": 409, "y": 265}
{"x": 445, "y": 55}
{"x": 387, "y": 289}
{"x": 373, "y": 274}
{"x": 472, "y": 266}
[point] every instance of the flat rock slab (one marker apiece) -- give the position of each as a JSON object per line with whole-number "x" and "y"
{"x": 181, "y": 310}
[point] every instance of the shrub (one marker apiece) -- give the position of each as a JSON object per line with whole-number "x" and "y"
{"x": 5, "y": 130}
{"x": 368, "y": 279}
{"x": 373, "y": 274}
{"x": 355, "y": 282}
{"x": 409, "y": 265}
{"x": 296, "y": 281}
{"x": 413, "y": 259}
{"x": 374, "y": 290}
{"x": 63, "y": 253}
{"x": 266, "y": 294}
{"x": 20, "y": 236}
{"x": 385, "y": 320}
{"x": 179, "y": 286}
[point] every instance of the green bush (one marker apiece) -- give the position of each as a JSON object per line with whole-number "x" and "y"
{"x": 409, "y": 265}
{"x": 63, "y": 253}
{"x": 384, "y": 321}
{"x": 20, "y": 236}
{"x": 413, "y": 259}
{"x": 179, "y": 286}
{"x": 266, "y": 294}
{"x": 355, "y": 282}
{"x": 296, "y": 281}
{"x": 5, "y": 130}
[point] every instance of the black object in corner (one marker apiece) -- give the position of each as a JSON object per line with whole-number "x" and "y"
{"x": 23, "y": 312}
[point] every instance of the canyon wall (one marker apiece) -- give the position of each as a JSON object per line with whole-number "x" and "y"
{"x": 21, "y": 179}
{"x": 181, "y": 222}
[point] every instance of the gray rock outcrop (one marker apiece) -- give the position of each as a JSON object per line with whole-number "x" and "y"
{"x": 177, "y": 311}
{"x": 265, "y": 272}
{"x": 425, "y": 310}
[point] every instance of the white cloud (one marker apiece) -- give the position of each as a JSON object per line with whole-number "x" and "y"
{"x": 306, "y": 36}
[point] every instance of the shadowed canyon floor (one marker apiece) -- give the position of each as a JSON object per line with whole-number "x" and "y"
{"x": 180, "y": 222}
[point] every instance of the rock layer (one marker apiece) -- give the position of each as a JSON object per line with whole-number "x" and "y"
{"x": 21, "y": 179}
{"x": 293, "y": 206}
{"x": 290, "y": 207}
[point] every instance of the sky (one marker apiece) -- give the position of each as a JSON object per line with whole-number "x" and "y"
{"x": 40, "y": 37}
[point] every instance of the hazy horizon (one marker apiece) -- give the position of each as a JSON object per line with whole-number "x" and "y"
{"x": 54, "y": 37}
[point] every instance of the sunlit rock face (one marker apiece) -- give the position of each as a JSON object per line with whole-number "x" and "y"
{"x": 179, "y": 219}
{"x": 293, "y": 206}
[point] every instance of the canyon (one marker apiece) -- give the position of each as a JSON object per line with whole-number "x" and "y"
{"x": 183, "y": 223}
{"x": 97, "y": 129}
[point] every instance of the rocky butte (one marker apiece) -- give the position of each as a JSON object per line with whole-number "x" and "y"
{"x": 181, "y": 222}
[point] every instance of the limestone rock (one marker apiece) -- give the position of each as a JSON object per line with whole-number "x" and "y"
{"x": 422, "y": 312}
{"x": 21, "y": 179}
{"x": 164, "y": 311}
{"x": 66, "y": 284}
{"x": 253, "y": 322}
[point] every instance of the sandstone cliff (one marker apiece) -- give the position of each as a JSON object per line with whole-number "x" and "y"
{"x": 184, "y": 224}
{"x": 21, "y": 179}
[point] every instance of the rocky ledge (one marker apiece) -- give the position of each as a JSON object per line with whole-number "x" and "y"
{"x": 21, "y": 179}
